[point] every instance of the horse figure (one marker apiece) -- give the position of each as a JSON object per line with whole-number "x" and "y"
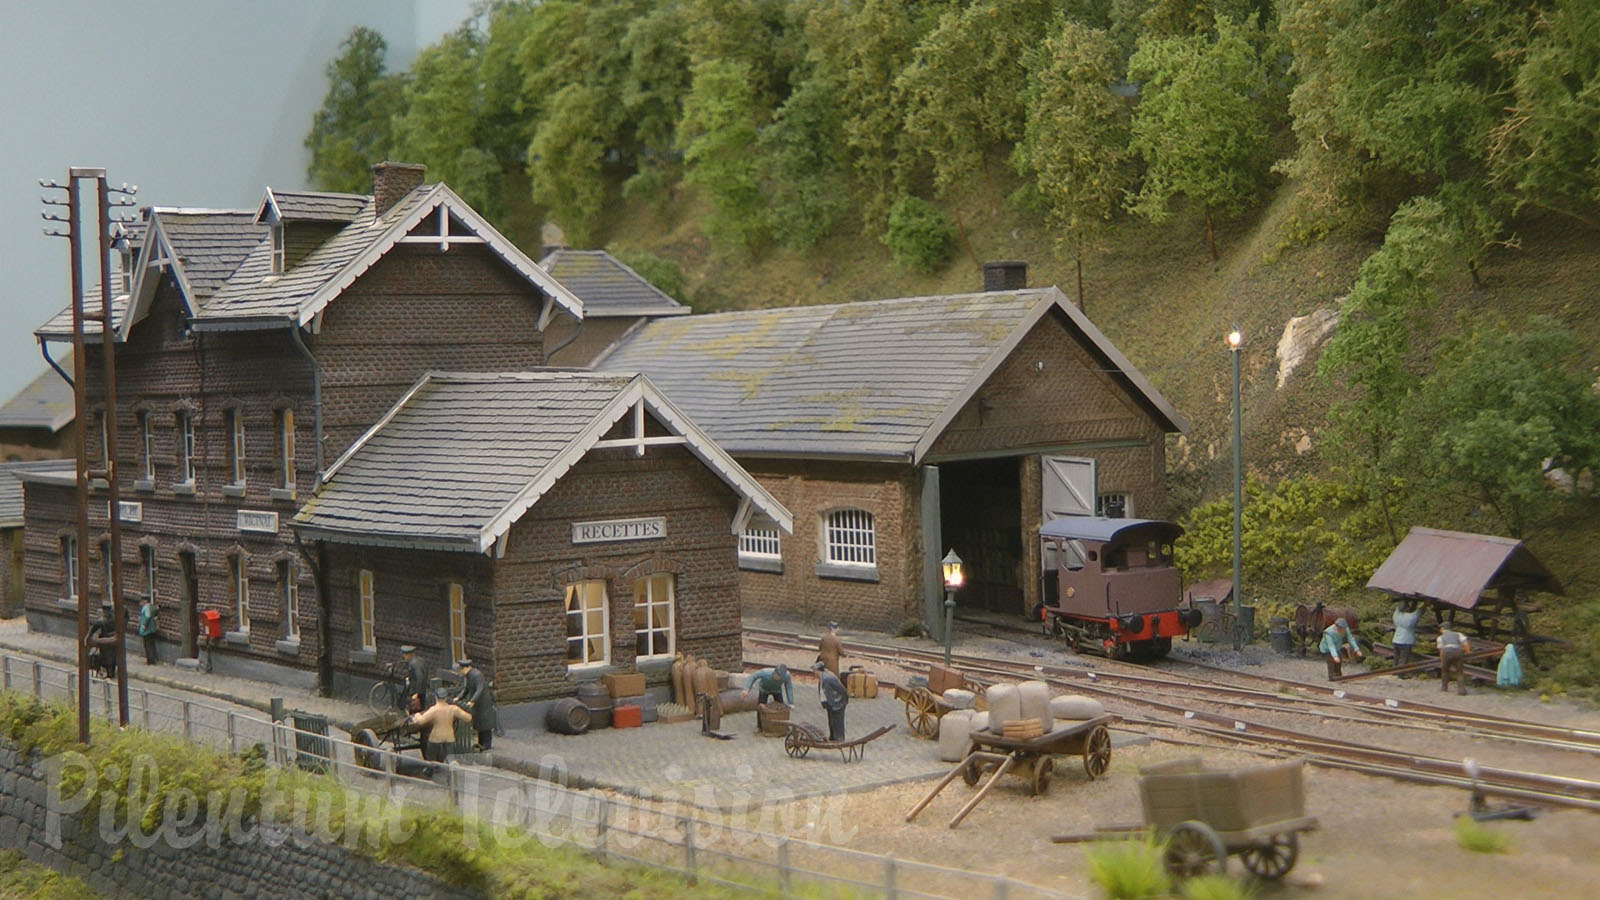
{"x": 1311, "y": 621}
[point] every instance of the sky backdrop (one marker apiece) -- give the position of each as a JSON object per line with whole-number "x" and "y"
{"x": 197, "y": 102}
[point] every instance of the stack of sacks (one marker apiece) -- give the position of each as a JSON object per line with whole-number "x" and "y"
{"x": 955, "y": 729}
{"x": 1076, "y": 707}
{"x": 1034, "y": 698}
{"x": 1004, "y": 705}
{"x": 956, "y": 698}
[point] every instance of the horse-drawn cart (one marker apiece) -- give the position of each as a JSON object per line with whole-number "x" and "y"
{"x": 924, "y": 708}
{"x": 1206, "y": 815}
{"x": 995, "y": 754}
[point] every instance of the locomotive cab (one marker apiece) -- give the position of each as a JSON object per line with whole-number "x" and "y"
{"x": 1111, "y": 585}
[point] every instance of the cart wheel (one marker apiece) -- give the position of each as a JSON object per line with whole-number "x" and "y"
{"x": 1274, "y": 859}
{"x": 1041, "y": 775}
{"x": 1192, "y": 848}
{"x": 366, "y": 759}
{"x": 973, "y": 770}
{"x": 922, "y": 714}
{"x": 1097, "y": 752}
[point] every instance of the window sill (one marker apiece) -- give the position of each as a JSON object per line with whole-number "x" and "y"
{"x": 67, "y": 603}
{"x": 363, "y": 657}
{"x": 236, "y": 637}
{"x": 98, "y": 484}
{"x": 186, "y": 489}
{"x": 145, "y": 485}
{"x": 589, "y": 671}
{"x": 847, "y": 573}
{"x": 281, "y": 493}
{"x": 653, "y": 663}
{"x": 233, "y": 490}
{"x": 761, "y": 564}
{"x": 289, "y": 647}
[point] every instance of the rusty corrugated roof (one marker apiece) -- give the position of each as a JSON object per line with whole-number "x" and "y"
{"x": 1455, "y": 567}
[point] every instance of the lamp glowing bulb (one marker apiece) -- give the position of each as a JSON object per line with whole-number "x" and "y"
{"x": 1235, "y": 339}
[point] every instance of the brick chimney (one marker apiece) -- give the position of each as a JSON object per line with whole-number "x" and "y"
{"x": 393, "y": 180}
{"x": 1005, "y": 275}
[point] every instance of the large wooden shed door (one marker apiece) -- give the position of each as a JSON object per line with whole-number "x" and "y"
{"x": 1068, "y": 484}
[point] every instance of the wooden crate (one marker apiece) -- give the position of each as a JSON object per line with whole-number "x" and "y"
{"x": 1227, "y": 800}
{"x": 861, "y": 684}
{"x": 627, "y": 684}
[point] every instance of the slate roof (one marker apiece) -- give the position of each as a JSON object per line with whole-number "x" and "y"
{"x": 46, "y": 402}
{"x": 11, "y": 485}
{"x": 877, "y": 379}
{"x": 59, "y": 327}
{"x": 310, "y": 206}
{"x": 462, "y": 456}
{"x": 607, "y": 286}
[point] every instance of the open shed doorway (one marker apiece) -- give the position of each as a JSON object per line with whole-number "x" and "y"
{"x": 980, "y": 509}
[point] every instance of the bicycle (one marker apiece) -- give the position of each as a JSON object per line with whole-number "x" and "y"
{"x": 388, "y": 695}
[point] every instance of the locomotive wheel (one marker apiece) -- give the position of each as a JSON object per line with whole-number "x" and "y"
{"x": 1274, "y": 859}
{"x": 1097, "y": 752}
{"x": 1192, "y": 848}
{"x": 922, "y": 714}
{"x": 1041, "y": 775}
{"x": 1160, "y": 647}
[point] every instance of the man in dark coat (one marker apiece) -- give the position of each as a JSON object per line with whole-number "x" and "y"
{"x": 102, "y": 641}
{"x": 416, "y": 688}
{"x": 834, "y": 697}
{"x": 477, "y": 699}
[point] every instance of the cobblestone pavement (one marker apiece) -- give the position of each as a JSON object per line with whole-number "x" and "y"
{"x": 657, "y": 761}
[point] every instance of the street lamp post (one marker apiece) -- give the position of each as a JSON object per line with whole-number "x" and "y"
{"x": 1235, "y": 339}
{"x": 953, "y": 578}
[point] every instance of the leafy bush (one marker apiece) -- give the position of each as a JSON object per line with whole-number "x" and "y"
{"x": 1479, "y": 838}
{"x": 919, "y": 236}
{"x": 22, "y": 879}
{"x": 1128, "y": 870}
{"x": 666, "y": 275}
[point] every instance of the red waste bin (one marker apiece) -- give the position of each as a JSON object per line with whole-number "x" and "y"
{"x": 210, "y": 624}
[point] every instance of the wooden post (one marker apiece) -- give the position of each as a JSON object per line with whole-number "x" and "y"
{"x": 783, "y": 867}
{"x": 688, "y": 849}
{"x": 941, "y": 785}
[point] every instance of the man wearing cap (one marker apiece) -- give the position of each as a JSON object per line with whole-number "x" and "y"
{"x": 1453, "y": 648}
{"x": 828, "y": 648}
{"x": 772, "y": 684}
{"x": 1338, "y": 645}
{"x": 439, "y": 727}
{"x": 476, "y": 697}
{"x": 416, "y": 688}
{"x": 834, "y": 698}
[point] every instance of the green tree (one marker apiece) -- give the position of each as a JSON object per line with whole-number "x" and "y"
{"x": 1502, "y": 406}
{"x": 566, "y": 162}
{"x": 802, "y": 168}
{"x": 1075, "y": 145}
{"x": 1200, "y": 126}
{"x": 718, "y": 130}
{"x": 920, "y": 237}
{"x": 351, "y": 131}
{"x": 442, "y": 118}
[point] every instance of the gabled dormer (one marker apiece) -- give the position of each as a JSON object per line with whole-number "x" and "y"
{"x": 299, "y": 222}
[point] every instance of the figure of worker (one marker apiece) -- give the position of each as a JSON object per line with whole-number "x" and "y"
{"x": 1338, "y": 645}
{"x": 439, "y": 724}
{"x": 477, "y": 698}
{"x": 147, "y": 629}
{"x": 834, "y": 698}
{"x": 101, "y": 640}
{"x": 828, "y": 648}
{"x": 772, "y": 684}
{"x": 416, "y": 686}
{"x": 1453, "y": 648}
{"x": 1406, "y": 616}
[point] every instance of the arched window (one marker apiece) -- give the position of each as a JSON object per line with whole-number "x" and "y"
{"x": 848, "y": 539}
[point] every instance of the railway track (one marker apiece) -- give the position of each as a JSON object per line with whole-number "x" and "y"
{"x": 1187, "y": 715}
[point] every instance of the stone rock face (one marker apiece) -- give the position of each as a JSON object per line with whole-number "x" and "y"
{"x": 1301, "y": 337}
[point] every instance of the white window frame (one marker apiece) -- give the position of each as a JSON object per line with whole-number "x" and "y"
{"x": 456, "y": 596}
{"x": 368, "y": 611}
{"x": 586, "y": 635}
{"x": 279, "y": 250}
{"x": 69, "y": 559}
{"x": 147, "y": 555}
{"x": 647, "y": 598}
{"x": 1127, "y": 504}
{"x": 761, "y": 542}
{"x": 285, "y": 449}
{"x": 185, "y": 423}
{"x": 147, "y": 457}
{"x": 240, "y": 573}
{"x": 236, "y": 446}
{"x": 289, "y": 593}
{"x": 849, "y": 538}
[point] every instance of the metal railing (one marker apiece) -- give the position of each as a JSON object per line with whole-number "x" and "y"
{"x": 694, "y": 844}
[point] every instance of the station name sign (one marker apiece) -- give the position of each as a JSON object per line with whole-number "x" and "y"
{"x": 127, "y": 510}
{"x": 257, "y": 520}
{"x": 648, "y": 529}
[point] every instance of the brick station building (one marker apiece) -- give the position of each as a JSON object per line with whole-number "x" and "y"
{"x": 895, "y": 430}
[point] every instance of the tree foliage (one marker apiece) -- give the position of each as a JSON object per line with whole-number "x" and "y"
{"x": 920, "y": 237}
{"x": 719, "y": 128}
{"x": 351, "y": 131}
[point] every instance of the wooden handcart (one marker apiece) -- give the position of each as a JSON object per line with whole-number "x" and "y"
{"x": 924, "y": 708}
{"x": 1206, "y": 815}
{"x": 801, "y": 739}
{"x": 994, "y": 754}
{"x": 390, "y": 731}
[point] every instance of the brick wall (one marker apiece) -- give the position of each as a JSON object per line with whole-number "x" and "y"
{"x": 597, "y": 335}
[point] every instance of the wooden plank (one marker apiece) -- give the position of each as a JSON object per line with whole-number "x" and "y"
{"x": 1005, "y": 767}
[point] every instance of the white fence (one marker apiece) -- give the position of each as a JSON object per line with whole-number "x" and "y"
{"x": 693, "y": 843}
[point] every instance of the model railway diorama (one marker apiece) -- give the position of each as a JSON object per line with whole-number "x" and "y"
{"x": 1110, "y": 586}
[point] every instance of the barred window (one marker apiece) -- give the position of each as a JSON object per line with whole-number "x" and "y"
{"x": 760, "y": 542}
{"x": 653, "y": 615}
{"x": 848, "y": 538}
{"x": 588, "y": 624}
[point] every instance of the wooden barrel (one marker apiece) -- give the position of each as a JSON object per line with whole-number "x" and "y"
{"x": 772, "y": 719}
{"x": 597, "y": 698}
{"x": 567, "y": 716}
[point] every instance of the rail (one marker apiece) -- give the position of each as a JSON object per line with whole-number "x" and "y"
{"x": 696, "y": 846}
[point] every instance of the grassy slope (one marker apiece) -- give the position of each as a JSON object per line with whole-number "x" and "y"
{"x": 1156, "y": 292}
